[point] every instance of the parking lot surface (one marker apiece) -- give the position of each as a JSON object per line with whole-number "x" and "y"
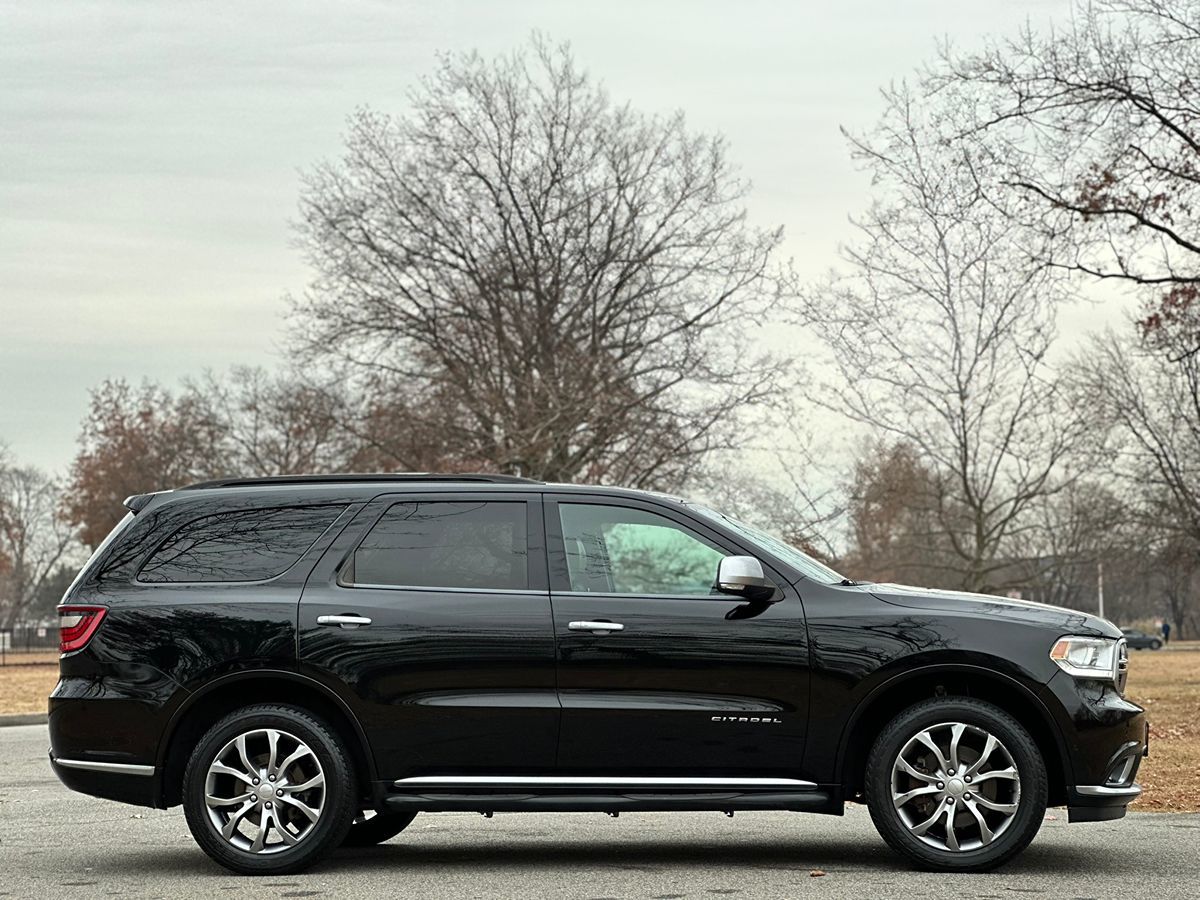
{"x": 54, "y": 843}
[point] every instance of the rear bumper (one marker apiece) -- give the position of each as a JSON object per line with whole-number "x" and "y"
{"x": 127, "y": 783}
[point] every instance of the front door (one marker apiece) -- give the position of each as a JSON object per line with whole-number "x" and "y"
{"x": 431, "y": 615}
{"x": 692, "y": 682}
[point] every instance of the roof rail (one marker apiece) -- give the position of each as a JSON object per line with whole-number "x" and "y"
{"x": 360, "y": 478}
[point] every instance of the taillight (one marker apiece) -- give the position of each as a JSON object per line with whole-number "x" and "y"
{"x": 76, "y": 625}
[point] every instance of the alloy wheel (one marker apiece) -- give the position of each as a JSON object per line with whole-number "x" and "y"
{"x": 265, "y": 791}
{"x": 955, "y": 786}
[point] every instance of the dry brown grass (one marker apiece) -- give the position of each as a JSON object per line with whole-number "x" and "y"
{"x": 1166, "y": 683}
{"x": 25, "y": 688}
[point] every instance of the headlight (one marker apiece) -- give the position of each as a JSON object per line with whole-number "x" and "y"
{"x": 1084, "y": 657}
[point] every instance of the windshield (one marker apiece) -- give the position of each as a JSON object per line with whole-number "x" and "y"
{"x": 800, "y": 560}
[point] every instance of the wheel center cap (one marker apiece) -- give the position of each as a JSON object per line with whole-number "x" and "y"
{"x": 955, "y": 786}
{"x": 265, "y": 791}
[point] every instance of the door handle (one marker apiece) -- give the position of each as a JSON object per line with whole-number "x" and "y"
{"x": 344, "y": 621}
{"x": 596, "y": 627}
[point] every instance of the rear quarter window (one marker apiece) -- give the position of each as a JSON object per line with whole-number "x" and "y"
{"x": 239, "y": 545}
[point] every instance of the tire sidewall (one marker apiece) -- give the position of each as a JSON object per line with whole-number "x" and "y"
{"x": 336, "y": 813}
{"x": 1031, "y": 771}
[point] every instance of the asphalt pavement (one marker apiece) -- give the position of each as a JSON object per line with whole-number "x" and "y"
{"x": 54, "y": 843}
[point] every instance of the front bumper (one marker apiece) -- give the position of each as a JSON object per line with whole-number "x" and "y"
{"x": 1107, "y": 737}
{"x": 1100, "y": 802}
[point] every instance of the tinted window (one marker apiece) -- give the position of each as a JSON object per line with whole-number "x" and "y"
{"x": 241, "y": 545}
{"x": 441, "y": 544}
{"x": 611, "y": 549}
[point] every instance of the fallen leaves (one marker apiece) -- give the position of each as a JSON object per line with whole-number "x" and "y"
{"x": 1167, "y": 684}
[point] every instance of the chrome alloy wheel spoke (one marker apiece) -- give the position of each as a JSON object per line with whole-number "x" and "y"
{"x": 264, "y": 791}
{"x": 955, "y": 786}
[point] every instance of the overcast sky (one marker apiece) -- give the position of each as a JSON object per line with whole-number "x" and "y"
{"x": 150, "y": 150}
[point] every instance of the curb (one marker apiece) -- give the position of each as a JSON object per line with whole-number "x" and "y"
{"x": 23, "y": 719}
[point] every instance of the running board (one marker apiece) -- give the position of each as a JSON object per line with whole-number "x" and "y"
{"x": 488, "y": 794}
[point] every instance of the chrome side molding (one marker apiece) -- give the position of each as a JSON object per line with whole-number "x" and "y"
{"x": 116, "y": 768}
{"x": 549, "y": 781}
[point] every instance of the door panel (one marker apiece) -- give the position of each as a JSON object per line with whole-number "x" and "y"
{"x": 444, "y": 679}
{"x": 695, "y": 683}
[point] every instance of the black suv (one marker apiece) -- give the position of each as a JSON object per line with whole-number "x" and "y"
{"x": 309, "y": 662}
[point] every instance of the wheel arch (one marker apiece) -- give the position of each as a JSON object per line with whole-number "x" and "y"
{"x": 888, "y": 699}
{"x": 201, "y": 710}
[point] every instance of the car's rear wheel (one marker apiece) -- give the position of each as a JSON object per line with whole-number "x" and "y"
{"x": 268, "y": 790}
{"x": 371, "y": 827}
{"x": 956, "y": 784}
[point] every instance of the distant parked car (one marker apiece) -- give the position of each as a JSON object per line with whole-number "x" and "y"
{"x": 1139, "y": 640}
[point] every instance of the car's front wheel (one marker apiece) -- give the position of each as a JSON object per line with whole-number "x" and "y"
{"x": 1156, "y": 644}
{"x": 269, "y": 790}
{"x": 956, "y": 784}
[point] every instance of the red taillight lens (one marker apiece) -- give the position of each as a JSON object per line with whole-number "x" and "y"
{"x": 76, "y": 625}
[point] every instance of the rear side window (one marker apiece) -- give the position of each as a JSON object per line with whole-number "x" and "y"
{"x": 240, "y": 545}
{"x": 481, "y": 545}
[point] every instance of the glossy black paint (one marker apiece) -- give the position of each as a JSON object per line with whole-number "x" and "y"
{"x": 665, "y": 695}
{"x": 442, "y": 680}
{"x": 495, "y": 682}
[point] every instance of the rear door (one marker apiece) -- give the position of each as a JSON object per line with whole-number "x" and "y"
{"x": 431, "y": 614}
{"x": 693, "y": 682}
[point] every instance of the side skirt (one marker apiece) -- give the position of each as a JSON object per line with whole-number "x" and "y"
{"x": 485, "y": 794}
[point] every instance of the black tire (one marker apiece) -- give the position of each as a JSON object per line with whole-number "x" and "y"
{"x": 338, "y": 802}
{"x": 380, "y": 827}
{"x": 1156, "y": 645}
{"x": 1031, "y": 779}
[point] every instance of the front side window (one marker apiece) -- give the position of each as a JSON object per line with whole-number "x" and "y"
{"x": 239, "y": 545}
{"x": 619, "y": 550}
{"x": 482, "y": 545}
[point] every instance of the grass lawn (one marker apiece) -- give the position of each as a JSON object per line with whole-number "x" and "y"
{"x": 1166, "y": 683}
{"x": 25, "y": 687}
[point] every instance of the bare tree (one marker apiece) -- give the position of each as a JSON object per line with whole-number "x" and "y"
{"x": 940, "y": 327}
{"x": 787, "y": 505}
{"x": 247, "y": 422}
{"x": 135, "y": 440}
{"x": 34, "y": 540}
{"x": 1149, "y": 399}
{"x": 276, "y": 424}
{"x": 1096, "y": 128}
{"x": 544, "y": 281}
{"x": 1179, "y": 575}
{"x": 894, "y": 527}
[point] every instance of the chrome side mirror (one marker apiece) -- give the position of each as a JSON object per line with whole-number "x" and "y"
{"x": 743, "y": 576}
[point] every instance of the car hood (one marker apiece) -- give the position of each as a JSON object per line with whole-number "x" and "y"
{"x": 1068, "y": 621}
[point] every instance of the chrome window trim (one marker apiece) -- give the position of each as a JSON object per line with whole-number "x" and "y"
{"x": 636, "y": 595}
{"x": 597, "y": 781}
{"x": 116, "y": 768}
{"x": 441, "y": 590}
